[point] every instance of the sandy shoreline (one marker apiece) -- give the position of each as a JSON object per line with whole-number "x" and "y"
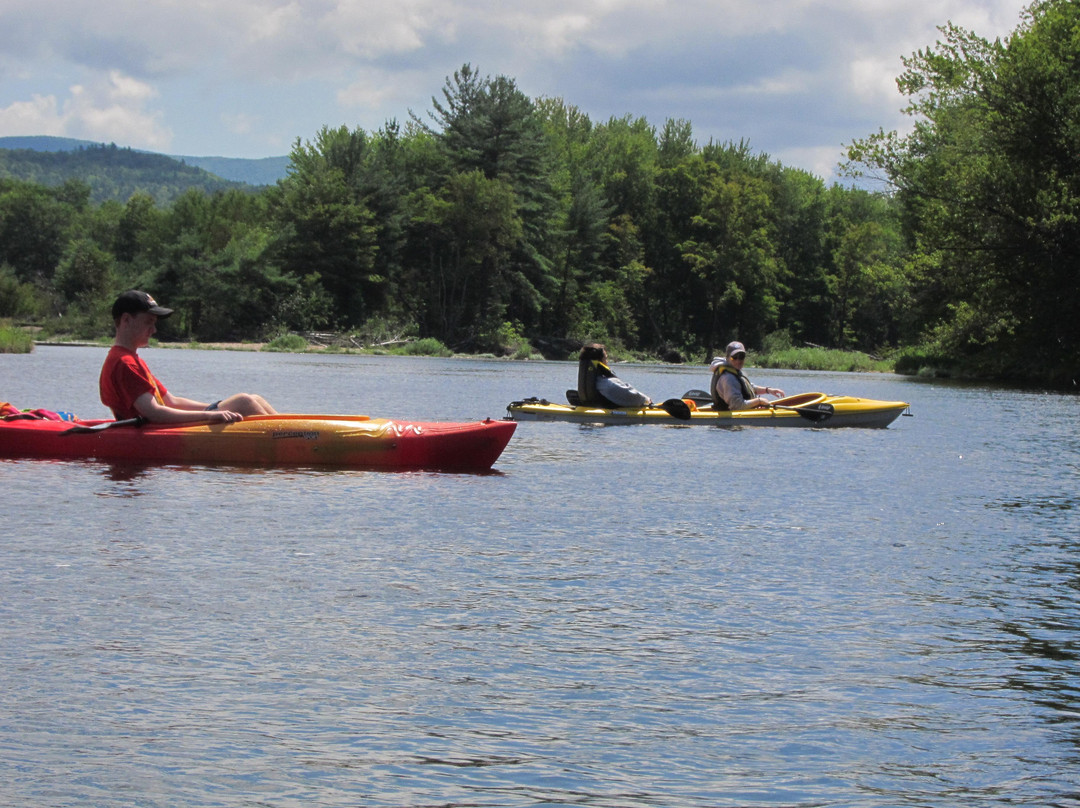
{"x": 218, "y": 346}
{"x": 215, "y": 346}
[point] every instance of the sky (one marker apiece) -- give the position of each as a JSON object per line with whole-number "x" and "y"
{"x": 797, "y": 80}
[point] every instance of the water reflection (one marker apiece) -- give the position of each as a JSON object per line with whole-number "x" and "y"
{"x": 123, "y": 473}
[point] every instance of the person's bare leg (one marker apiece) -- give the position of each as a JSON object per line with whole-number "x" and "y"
{"x": 247, "y": 404}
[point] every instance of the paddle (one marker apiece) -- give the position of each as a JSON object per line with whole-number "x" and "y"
{"x": 83, "y": 428}
{"x": 811, "y": 412}
{"x": 698, "y": 396}
{"x": 675, "y": 407}
{"x": 816, "y": 413}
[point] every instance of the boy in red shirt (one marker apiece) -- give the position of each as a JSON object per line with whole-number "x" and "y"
{"x": 130, "y": 390}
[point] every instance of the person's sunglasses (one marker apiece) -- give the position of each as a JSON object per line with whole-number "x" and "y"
{"x": 739, "y": 356}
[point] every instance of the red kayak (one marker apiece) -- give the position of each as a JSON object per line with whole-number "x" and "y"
{"x": 346, "y": 441}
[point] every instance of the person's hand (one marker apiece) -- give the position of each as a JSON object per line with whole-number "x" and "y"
{"x": 224, "y": 416}
{"x": 774, "y": 391}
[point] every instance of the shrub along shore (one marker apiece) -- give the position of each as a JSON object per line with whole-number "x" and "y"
{"x": 18, "y": 340}
{"x": 15, "y": 340}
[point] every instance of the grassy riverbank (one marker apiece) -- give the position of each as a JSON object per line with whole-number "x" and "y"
{"x": 786, "y": 358}
{"x": 15, "y": 340}
{"x": 822, "y": 359}
{"x": 782, "y": 357}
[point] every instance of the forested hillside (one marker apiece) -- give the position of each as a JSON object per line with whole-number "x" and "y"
{"x": 496, "y": 222}
{"x": 250, "y": 171}
{"x": 110, "y": 172}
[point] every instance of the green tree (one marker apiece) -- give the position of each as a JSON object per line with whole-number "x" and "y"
{"x": 138, "y": 229}
{"x": 471, "y": 229}
{"x": 324, "y": 226}
{"x": 623, "y": 159}
{"x": 801, "y": 213}
{"x": 863, "y": 288}
{"x": 989, "y": 181}
{"x": 732, "y": 253}
{"x": 581, "y": 229}
{"x": 680, "y": 314}
{"x": 213, "y": 267}
{"x": 34, "y": 224}
{"x": 85, "y": 272}
{"x": 17, "y": 299}
{"x": 489, "y": 126}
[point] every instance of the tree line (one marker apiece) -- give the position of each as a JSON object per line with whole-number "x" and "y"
{"x": 496, "y": 218}
{"x": 493, "y": 220}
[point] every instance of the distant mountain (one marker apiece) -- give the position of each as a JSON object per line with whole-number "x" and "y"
{"x": 260, "y": 171}
{"x": 45, "y": 143}
{"x": 112, "y": 173}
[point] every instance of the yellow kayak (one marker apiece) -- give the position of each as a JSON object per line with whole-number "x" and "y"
{"x": 805, "y": 410}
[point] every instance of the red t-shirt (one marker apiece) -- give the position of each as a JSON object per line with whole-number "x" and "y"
{"x": 125, "y": 377}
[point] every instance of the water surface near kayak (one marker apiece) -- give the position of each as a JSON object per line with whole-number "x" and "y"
{"x": 619, "y": 616}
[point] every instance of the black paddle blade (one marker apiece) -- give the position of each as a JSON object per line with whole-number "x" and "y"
{"x": 816, "y": 413}
{"x": 676, "y": 408}
{"x": 698, "y": 396}
{"x": 823, "y": 411}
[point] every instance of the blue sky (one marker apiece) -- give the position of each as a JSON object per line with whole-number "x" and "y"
{"x": 797, "y": 79}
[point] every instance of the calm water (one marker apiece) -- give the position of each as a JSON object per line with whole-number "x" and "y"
{"x": 622, "y": 616}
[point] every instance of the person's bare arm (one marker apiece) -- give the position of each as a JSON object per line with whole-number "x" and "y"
{"x": 188, "y": 412}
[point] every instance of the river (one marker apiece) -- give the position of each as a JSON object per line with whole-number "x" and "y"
{"x": 618, "y": 616}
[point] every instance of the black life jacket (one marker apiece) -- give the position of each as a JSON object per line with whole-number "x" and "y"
{"x": 718, "y": 402}
{"x": 588, "y": 370}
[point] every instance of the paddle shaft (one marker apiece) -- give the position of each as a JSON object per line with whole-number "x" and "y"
{"x": 82, "y": 428}
{"x": 675, "y": 407}
{"x": 812, "y": 412}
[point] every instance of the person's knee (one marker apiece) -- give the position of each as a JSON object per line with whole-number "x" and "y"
{"x": 248, "y": 404}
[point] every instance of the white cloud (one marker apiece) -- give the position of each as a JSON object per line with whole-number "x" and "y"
{"x": 376, "y": 90}
{"x": 111, "y": 109}
{"x": 276, "y": 23}
{"x": 126, "y": 90}
{"x": 114, "y": 110}
{"x": 388, "y": 28}
{"x": 35, "y": 117}
{"x": 821, "y": 161}
{"x": 239, "y": 123}
{"x": 784, "y": 83}
{"x": 227, "y": 77}
{"x": 365, "y": 93}
{"x": 873, "y": 81}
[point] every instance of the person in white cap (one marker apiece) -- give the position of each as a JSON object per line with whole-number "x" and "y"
{"x": 130, "y": 390}
{"x": 730, "y": 388}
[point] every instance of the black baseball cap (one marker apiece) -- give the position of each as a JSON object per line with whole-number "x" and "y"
{"x": 133, "y": 301}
